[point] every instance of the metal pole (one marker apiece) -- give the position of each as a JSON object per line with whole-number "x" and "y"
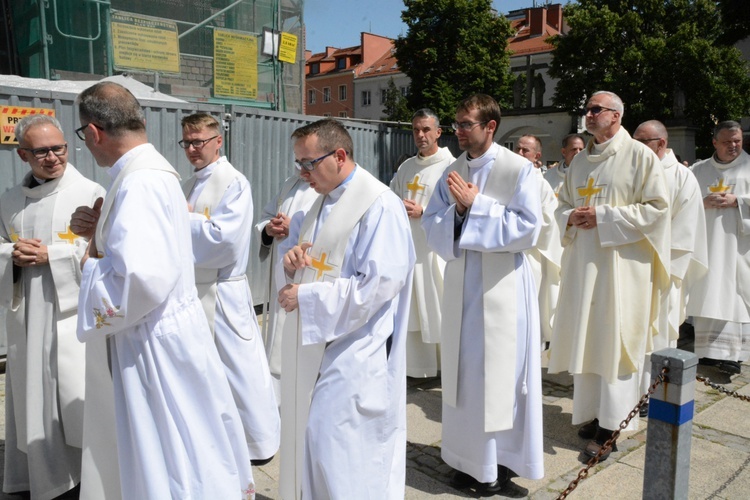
{"x": 670, "y": 426}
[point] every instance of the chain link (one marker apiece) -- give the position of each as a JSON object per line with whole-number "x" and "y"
{"x": 712, "y": 385}
{"x": 584, "y": 473}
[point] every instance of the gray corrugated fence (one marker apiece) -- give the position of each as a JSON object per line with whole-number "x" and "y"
{"x": 257, "y": 143}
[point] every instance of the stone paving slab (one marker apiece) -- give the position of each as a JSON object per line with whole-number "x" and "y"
{"x": 720, "y": 459}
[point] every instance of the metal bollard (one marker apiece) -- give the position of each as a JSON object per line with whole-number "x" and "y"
{"x": 670, "y": 426}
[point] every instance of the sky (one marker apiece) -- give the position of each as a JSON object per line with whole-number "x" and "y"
{"x": 338, "y": 23}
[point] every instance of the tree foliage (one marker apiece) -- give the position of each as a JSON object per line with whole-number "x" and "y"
{"x": 396, "y": 107}
{"x": 452, "y": 49}
{"x": 666, "y": 59}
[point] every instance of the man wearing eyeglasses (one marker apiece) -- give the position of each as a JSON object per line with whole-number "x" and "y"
{"x": 720, "y": 303}
{"x": 614, "y": 220}
{"x": 484, "y": 214}
{"x": 179, "y": 434}
{"x": 688, "y": 251}
{"x": 39, "y": 256}
{"x": 347, "y": 264}
{"x": 221, "y": 226}
{"x": 415, "y": 182}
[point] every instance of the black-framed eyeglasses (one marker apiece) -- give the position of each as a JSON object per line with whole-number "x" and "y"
{"x": 646, "y": 141}
{"x": 309, "y": 166}
{"x": 79, "y": 130}
{"x": 41, "y": 153}
{"x": 196, "y": 143}
{"x": 466, "y": 126}
{"x": 595, "y": 110}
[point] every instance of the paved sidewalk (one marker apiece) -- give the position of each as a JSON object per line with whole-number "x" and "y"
{"x": 720, "y": 461}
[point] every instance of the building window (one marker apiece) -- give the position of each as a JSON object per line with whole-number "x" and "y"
{"x": 366, "y": 97}
{"x": 326, "y": 115}
{"x": 326, "y": 94}
{"x": 509, "y": 145}
{"x": 314, "y": 68}
{"x": 404, "y": 90}
{"x": 311, "y": 96}
{"x": 341, "y": 63}
{"x": 342, "y": 114}
{"x": 342, "y": 92}
{"x": 383, "y": 95}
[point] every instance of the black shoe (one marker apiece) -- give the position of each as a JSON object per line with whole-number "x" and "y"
{"x": 709, "y": 362}
{"x": 588, "y": 431}
{"x": 505, "y": 488}
{"x": 643, "y": 412}
{"x": 461, "y": 480}
{"x": 731, "y": 367}
{"x": 594, "y": 446}
{"x": 261, "y": 461}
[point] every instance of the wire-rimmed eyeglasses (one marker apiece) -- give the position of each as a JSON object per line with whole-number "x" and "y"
{"x": 196, "y": 143}
{"x": 466, "y": 126}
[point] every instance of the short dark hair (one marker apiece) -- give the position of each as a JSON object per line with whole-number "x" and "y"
{"x": 331, "y": 135}
{"x": 566, "y": 140}
{"x": 488, "y": 108}
{"x": 537, "y": 141}
{"x": 112, "y": 107}
{"x": 726, "y": 125}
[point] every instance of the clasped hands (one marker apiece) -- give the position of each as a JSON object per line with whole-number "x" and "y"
{"x": 296, "y": 258}
{"x": 463, "y": 192}
{"x": 583, "y": 218}
{"x": 278, "y": 227}
{"x": 720, "y": 200}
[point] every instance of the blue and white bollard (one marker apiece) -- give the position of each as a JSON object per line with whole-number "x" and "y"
{"x": 670, "y": 426}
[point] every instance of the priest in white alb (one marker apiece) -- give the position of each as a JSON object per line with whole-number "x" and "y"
{"x": 179, "y": 434}
{"x": 720, "y": 302}
{"x": 349, "y": 262}
{"x": 485, "y": 213}
{"x": 294, "y": 196}
{"x": 688, "y": 251}
{"x": 572, "y": 144}
{"x": 221, "y": 205}
{"x": 546, "y": 256}
{"x": 614, "y": 222}
{"x": 39, "y": 279}
{"x": 414, "y": 182}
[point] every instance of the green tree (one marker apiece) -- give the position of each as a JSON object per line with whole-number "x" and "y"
{"x": 452, "y": 49}
{"x": 664, "y": 58}
{"x": 396, "y": 106}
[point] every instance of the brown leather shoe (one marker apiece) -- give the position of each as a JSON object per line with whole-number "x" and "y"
{"x": 588, "y": 431}
{"x": 593, "y": 448}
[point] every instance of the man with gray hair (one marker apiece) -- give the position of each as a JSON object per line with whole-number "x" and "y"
{"x": 179, "y": 434}
{"x": 689, "y": 258}
{"x": 39, "y": 257}
{"x": 720, "y": 303}
{"x": 614, "y": 221}
{"x": 414, "y": 183}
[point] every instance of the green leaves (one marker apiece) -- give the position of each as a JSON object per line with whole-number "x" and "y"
{"x": 453, "y": 48}
{"x": 666, "y": 59}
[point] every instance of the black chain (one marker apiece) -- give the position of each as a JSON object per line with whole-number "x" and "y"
{"x": 584, "y": 473}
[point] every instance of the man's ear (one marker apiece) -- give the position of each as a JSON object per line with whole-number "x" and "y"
{"x": 22, "y": 154}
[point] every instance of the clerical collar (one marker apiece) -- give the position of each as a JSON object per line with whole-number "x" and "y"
{"x": 485, "y": 158}
{"x": 206, "y": 171}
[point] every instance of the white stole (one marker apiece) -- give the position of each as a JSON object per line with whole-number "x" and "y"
{"x": 302, "y": 362}
{"x": 217, "y": 184}
{"x": 155, "y": 162}
{"x": 499, "y": 311}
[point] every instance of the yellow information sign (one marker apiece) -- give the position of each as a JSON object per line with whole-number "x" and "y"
{"x": 9, "y": 116}
{"x": 235, "y": 64}
{"x": 288, "y": 48}
{"x": 145, "y": 43}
